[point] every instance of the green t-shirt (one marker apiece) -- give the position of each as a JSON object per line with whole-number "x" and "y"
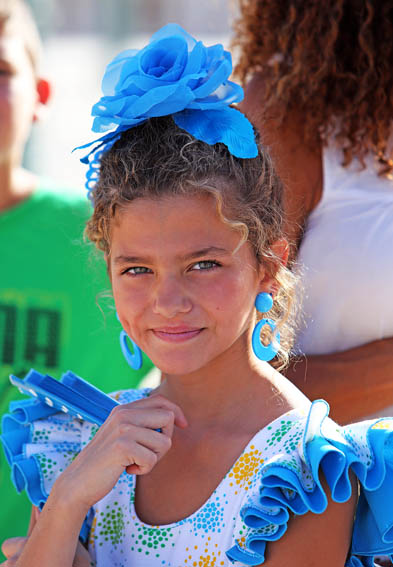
{"x": 56, "y": 312}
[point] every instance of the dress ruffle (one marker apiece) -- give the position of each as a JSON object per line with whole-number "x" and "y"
{"x": 40, "y": 443}
{"x": 290, "y": 483}
{"x": 33, "y": 437}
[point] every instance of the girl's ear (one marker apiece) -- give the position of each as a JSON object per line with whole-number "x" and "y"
{"x": 280, "y": 252}
{"x": 280, "y": 249}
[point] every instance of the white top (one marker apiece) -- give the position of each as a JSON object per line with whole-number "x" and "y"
{"x": 118, "y": 538}
{"x": 347, "y": 259}
{"x": 276, "y": 476}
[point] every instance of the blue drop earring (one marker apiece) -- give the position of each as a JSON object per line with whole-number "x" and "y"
{"x": 263, "y": 303}
{"x": 134, "y": 359}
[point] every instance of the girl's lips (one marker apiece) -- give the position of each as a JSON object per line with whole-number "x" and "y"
{"x": 176, "y": 334}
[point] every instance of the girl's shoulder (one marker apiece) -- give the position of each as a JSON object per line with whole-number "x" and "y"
{"x": 307, "y": 460}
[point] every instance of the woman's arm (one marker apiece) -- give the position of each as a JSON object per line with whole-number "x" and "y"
{"x": 356, "y": 382}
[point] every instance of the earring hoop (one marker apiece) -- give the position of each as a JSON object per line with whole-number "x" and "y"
{"x": 134, "y": 359}
{"x": 263, "y": 303}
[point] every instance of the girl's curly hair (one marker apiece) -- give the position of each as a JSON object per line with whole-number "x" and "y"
{"x": 158, "y": 159}
{"x": 332, "y": 60}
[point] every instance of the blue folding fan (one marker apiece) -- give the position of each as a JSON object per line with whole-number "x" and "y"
{"x": 71, "y": 395}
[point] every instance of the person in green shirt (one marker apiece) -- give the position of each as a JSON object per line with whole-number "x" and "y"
{"x": 54, "y": 312}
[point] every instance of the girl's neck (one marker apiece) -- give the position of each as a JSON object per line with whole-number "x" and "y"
{"x": 217, "y": 395}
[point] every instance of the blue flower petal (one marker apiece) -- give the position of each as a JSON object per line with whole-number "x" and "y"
{"x": 225, "y": 95}
{"x": 162, "y": 101}
{"x": 124, "y": 64}
{"x": 166, "y": 61}
{"x": 196, "y": 60}
{"x": 140, "y": 84}
{"x": 228, "y": 126}
{"x": 216, "y": 77}
{"x": 105, "y": 123}
{"x": 114, "y": 103}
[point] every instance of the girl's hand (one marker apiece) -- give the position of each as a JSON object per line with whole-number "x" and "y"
{"x": 133, "y": 438}
{"x": 13, "y": 547}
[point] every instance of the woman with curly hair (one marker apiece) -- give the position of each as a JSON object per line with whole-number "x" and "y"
{"x": 320, "y": 88}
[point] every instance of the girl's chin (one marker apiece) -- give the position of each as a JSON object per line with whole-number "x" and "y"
{"x": 178, "y": 367}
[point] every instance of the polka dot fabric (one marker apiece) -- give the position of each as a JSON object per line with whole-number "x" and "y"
{"x": 120, "y": 538}
{"x": 276, "y": 475}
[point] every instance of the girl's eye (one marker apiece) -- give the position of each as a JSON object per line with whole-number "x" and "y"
{"x": 206, "y": 265}
{"x": 136, "y": 270}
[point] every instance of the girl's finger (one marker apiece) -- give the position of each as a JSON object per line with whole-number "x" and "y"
{"x": 140, "y": 460}
{"x": 159, "y": 443}
{"x": 159, "y": 401}
{"x": 13, "y": 546}
{"x": 150, "y": 418}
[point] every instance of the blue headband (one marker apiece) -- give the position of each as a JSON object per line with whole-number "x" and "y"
{"x": 173, "y": 75}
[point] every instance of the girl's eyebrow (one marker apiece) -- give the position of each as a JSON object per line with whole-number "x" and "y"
{"x": 122, "y": 259}
{"x": 205, "y": 252}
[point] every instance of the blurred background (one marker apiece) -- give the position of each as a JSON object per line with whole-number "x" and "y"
{"x": 80, "y": 38}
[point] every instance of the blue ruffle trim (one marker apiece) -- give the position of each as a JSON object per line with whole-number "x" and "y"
{"x": 291, "y": 484}
{"x": 26, "y": 473}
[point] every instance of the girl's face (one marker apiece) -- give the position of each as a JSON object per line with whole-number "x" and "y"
{"x": 184, "y": 290}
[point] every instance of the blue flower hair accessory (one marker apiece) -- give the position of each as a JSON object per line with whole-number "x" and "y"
{"x": 173, "y": 75}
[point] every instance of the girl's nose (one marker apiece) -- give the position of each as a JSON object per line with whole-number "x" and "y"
{"x": 170, "y": 298}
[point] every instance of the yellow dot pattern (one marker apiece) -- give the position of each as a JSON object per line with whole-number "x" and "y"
{"x": 210, "y": 558}
{"x": 385, "y": 424}
{"x": 241, "y": 542}
{"x": 243, "y": 473}
{"x": 92, "y": 535}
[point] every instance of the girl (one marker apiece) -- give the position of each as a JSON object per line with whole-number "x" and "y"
{"x": 206, "y": 469}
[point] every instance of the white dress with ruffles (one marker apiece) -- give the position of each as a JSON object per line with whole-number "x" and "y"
{"x": 277, "y": 474}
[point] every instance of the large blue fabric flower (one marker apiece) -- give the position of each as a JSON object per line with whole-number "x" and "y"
{"x": 179, "y": 76}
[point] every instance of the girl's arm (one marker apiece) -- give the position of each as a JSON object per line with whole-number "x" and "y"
{"x": 13, "y": 547}
{"x": 316, "y": 540}
{"x": 133, "y": 438}
{"x": 54, "y": 538}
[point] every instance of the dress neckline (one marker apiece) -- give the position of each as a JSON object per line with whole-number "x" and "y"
{"x": 263, "y": 432}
